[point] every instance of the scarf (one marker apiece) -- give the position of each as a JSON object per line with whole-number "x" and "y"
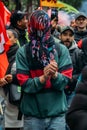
{"x": 43, "y": 45}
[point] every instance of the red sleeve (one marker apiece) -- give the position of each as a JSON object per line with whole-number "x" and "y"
{"x": 22, "y": 78}
{"x": 68, "y": 73}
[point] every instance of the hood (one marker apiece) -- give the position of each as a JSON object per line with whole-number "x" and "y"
{"x": 73, "y": 46}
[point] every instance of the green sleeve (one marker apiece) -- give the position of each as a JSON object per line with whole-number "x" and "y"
{"x": 32, "y": 85}
{"x": 60, "y": 82}
{"x": 64, "y": 64}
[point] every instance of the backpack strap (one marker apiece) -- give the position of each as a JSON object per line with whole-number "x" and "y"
{"x": 27, "y": 51}
{"x": 19, "y": 112}
{"x": 57, "y": 45}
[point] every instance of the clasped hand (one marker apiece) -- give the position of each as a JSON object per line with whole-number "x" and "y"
{"x": 51, "y": 69}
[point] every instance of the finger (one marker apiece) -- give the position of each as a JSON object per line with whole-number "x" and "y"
{"x": 54, "y": 64}
{"x": 53, "y": 69}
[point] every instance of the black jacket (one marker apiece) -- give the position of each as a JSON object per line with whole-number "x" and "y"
{"x": 84, "y": 49}
{"x": 76, "y": 116}
{"x": 22, "y": 35}
{"x": 80, "y": 35}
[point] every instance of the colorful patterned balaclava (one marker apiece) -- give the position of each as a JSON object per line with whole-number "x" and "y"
{"x": 43, "y": 47}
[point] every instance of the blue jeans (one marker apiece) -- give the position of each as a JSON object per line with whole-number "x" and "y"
{"x": 55, "y": 123}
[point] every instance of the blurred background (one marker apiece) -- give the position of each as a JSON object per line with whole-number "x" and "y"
{"x": 30, "y": 5}
{"x": 66, "y": 8}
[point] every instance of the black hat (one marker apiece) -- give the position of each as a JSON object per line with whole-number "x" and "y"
{"x": 65, "y": 28}
{"x": 17, "y": 16}
{"x": 79, "y": 15}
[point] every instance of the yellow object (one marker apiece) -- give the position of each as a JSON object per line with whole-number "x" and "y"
{"x": 51, "y": 3}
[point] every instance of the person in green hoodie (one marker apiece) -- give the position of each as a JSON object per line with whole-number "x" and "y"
{"x": 43, "y": 76}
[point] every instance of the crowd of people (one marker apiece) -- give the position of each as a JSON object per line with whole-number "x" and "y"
{"x": 49, "y": 62}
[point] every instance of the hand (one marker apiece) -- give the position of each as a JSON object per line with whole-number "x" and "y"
{"x": 9, "y": 78}
{"x": 46, "y": 74}
{"x": 3, "y": 82}
{"x": 50, "y": 71}
{"x": 53, "y": 69}
{"x": 54, "y": 22}
{"x": 47, "y": 71}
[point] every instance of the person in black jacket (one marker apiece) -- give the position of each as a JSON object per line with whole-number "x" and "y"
{"x": 81, "y": 26}
{"x": 19, "y": 23}
{"x": 11, "y": 111}
{"x": 76, "y": 116}
{"x": 82, "y": 44}
{"x": 11, "y": 53}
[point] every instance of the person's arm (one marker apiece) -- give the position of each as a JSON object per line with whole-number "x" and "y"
{"x": 29, "y": 85}
{"x": 64, "y": 70}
